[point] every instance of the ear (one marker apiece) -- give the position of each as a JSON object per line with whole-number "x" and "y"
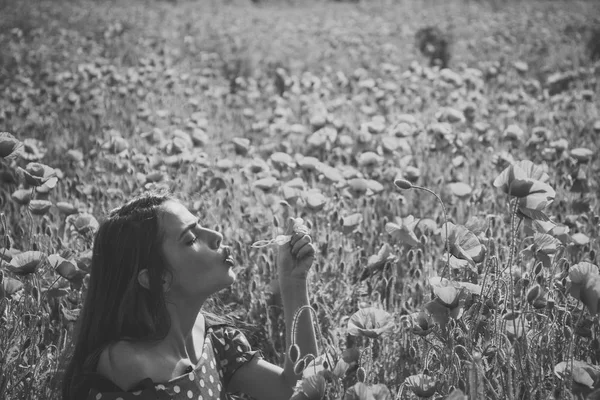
{"x": 144, "y": 279}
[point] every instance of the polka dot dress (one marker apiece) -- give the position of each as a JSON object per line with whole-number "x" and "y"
{"x": 225, "y": 350}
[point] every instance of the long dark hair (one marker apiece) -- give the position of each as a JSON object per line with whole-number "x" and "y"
{"x": 116, "y": 306}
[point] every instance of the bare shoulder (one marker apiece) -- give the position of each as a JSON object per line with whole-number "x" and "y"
{"x": 123, "y": 364}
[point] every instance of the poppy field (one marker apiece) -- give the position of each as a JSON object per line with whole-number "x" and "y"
{"x": 454, "y": 211}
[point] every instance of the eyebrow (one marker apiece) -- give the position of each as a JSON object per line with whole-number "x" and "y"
{"x": 188, "y": 228}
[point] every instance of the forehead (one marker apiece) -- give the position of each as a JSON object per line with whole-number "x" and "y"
{"x": 175, "y": 217}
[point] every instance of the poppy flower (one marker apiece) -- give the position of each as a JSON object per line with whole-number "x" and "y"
{"x": 358, "y": 187}
{"x": 37, "y": 174}
{"x": 460, "y": 190}
{"x": 266, "y": 184}
{"x": 310, "y": 388}
{"x": 422, "y": 385}
{"x": 581, "y": 154}
{"x": 585, "y": 285}
{"x": 282, "y": 160}
{"x": 65, "y": 268}
{"x": 314, "y": 200}
{"x": 330, "y": 174}
{"x": 26, "y": 263}
{"x": 585, "y": 376}
{"x": 370, "y": 322}
{"x": 22, "y": 196}
{"x": 83, "y": 223}
{"x": 543, "y": 247}
{"x": 351, "y": 222}
{"x": 66, "y": 208}
{"x": 33, "y": 150}
{"x": 10, "y": 146}
{"x": 9, "y": 286}
{"x": 308, "y": 163}
{"x": 362, "y": 391}
{"x": 322, "y": 364}
{"x": 39, "y": 207}
{"x": 463, "y": 243}
{"x": 447, "y": 302}
{"x": 383, "y": 255}
{"x": 369, "y": 159}
{"x": 421, "y": 323}
{"x": 403, "y": 230}
{"x": 448, "y": 292}
{"x": 523, "y": 179}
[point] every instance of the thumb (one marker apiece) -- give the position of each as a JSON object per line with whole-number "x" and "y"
{"x": 292, "y": 224}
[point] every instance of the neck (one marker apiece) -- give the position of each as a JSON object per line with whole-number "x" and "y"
{"x": 185, "y": 315}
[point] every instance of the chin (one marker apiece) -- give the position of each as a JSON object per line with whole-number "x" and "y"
{"x": 232, "y": 275}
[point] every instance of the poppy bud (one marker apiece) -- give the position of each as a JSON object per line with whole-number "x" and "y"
{"x": 299, "y": 366}
{"x": 539, "y": 303}
{"x": 403, "y": 184}
{"x": 361, "y": 374}
{"x": 308, "y": 359}
{"x": 412, "y": 352}
{"x": 538, "y": 268}
{"x": 294, "y": 353}
{"x": 533, "y": 293}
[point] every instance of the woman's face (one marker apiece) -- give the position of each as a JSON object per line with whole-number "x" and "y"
{"x": 199, "y": 264}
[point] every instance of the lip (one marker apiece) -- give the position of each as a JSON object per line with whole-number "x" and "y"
{"x": 227, "y": 256}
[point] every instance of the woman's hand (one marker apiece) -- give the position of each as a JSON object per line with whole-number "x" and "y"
{"x": 295, "y": 258}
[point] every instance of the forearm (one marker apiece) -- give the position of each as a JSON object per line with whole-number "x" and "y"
{"x": 295, "y": 295}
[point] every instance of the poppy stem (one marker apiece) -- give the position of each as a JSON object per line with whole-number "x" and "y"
{"x": 513, "y": 214}
{"x": 446, "y": 225}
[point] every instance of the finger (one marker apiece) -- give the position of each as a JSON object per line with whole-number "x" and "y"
{"x": 298, "y": 236}
{"x": 289, "y": 227}
{"x": 306, "y": 251}
{"x": 304, "y": 240}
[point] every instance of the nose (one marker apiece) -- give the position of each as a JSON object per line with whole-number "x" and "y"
{"x": 215, "y": 239}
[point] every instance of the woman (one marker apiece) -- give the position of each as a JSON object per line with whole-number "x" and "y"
{"x": 141, "y": 334}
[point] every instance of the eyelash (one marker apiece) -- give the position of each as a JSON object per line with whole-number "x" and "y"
{"x": 195, "y": 239}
